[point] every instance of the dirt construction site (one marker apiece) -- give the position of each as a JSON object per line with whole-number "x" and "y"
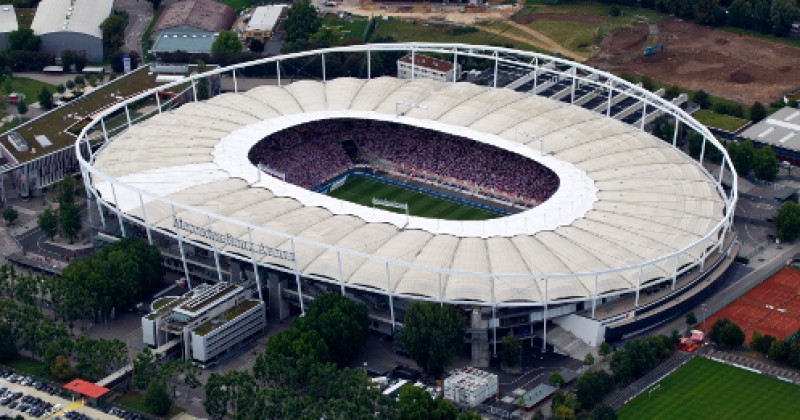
{"x": 732, "y": 66}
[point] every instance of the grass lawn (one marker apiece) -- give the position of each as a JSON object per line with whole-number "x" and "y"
{"x": 360, "y": 190}
{"x": 705, "y": 389}
{"x": 29, "y": 366}
{"x": 135, "y": 402}
{"x": 350, "y": 28}
{"x": 241, "y": 4}
{"x": 713, "y": 119}
{"x": 424, "y": 32}
{"x": 30, "y": 88}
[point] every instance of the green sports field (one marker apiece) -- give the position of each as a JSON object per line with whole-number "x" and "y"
{"x": 705, "y": 389}
{"x": 360, "y": 190}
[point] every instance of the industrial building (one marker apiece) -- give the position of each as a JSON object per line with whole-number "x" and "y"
{"x": 8, "y": 23}
{"x": 469, "y": 386}
{"x": 209, "y": 319}
{"x": 780, "y": 130}
{"x": 419, "y": 66}
{"x": 194, "y": 17}
{"x": 263, "y": 23}
{"x": 172, "y": 42}
{"x": 72, "y": 25}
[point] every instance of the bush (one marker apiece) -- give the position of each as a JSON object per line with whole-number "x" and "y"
{"x": 615, "y": 11}
{"x": 463, "y": 30}
{"x": 757, "y": 112}
{"x": 726, "y": 333}
{"x": 702, "y": 99}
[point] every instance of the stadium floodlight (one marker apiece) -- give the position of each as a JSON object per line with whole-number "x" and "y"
{"x": 408, "y": 104}
{"x": 393, "y": 204}
{"x": 533, "y": 137}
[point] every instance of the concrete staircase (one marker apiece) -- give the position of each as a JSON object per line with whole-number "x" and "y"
{"x": 565, "y": 342}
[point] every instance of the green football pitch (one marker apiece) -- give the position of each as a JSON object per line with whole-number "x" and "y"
{"x": 705, "y": 389}
{"x": 360, "y": 190}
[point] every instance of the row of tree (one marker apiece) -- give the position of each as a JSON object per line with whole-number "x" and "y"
{"x": 766, "y": 16}
{"x": 67, "y": 219}
{"x": 300, "y": 374}
{"x": 26, "y": 326}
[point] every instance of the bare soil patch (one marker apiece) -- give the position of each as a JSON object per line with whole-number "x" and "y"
{"x": 526, "y": 18}
{"x": 732, "y": 66}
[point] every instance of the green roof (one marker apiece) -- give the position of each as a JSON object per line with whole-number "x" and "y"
{"x": 227, "y": 316}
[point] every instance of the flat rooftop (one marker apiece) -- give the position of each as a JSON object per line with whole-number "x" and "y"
{"x": 170, "y": 41}
{"x": 226, "y": 317}
{"x": 781, "y": 129}
{"x": 208, "y": 297}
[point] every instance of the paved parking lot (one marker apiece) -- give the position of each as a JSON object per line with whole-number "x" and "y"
{"x": 53, "y": 399}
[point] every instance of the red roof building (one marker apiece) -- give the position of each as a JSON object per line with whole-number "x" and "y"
{"x": 86, "y": 388}
{"x": 418, "y": 66}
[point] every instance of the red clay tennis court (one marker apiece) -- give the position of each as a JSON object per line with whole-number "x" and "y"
{"x": 772, "y": 307}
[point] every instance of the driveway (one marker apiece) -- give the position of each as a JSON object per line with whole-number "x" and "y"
{"x": 140, "y": 13}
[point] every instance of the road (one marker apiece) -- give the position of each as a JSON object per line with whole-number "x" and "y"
{"x": 140, "y": 13}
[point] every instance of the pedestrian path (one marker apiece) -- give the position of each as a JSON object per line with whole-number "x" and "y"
{"x": 674, "y": 361}
{"x": 761, "y": 365}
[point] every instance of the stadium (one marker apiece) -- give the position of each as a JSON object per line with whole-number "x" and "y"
{"x": 591, "y": 227}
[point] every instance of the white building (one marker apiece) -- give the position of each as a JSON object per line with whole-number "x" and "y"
{"x": 72, "y": 25}
{"x": 418, "y": 66}
{"x": 8, "y": 23}
{"x": 469, "y": 386}
{"x": 263, "y": 22}
{"x": 209, "y": 319}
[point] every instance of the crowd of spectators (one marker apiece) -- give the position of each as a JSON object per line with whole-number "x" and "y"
{"x": 311, "y": 153}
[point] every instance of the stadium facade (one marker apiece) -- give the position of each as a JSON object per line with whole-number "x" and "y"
{"x": 634, "y": 231}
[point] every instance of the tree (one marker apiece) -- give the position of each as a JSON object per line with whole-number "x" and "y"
{"x": 301, "y": 21}
{"x": 556, "y": 379}
{"x": 605, "y": 349}
{"x": 739, "y": 14}
{"x": 144, "y": 369}
{"x": 604, "y": 412}
{"x": 69, "y": 219}
{"x": 731, "y": 336}
{"x": 61, "y": 89}
{"x": 80, "y": 80}
{"x": 757, "y": 112}
{"x": 202, "y": 84}
{"x": 765, "y": 164}
{"x": 23, "y": 39}
{"x": 65, "y": 190}
{"x": 741, "y": 154}
{"x": 704, "y": 11}
{"x": 761, "y": 343}
{"x": 45, "y": 98}
{"x": 10, "y": 214}
{"x": 416, "y": 403}
{"x": 588, "y": 360}
{"x": 8, "y": 343}
{"x": 155, "y": 3}
{"x": 48, "y": 223}
{"x": 691, "y": 319}
{"x": 70, "y": 84}
{"x": 432, "y": 334}
{"x": 113, "y": 29}
{"x": 592, "y": 387}
{"x": 787, "y": 221}
{"x": 22, "y": 107}
{"x": 702, "y": 98}
{"x": 512, "y": 351}
{"x": 256, "y": 46}
{"x": 61, "y": 369}
{"x": 227, "y": 42}
{"x": 156, "y": 398}
{"x": 342, "y": 324}
{"x": 782, "y": 14}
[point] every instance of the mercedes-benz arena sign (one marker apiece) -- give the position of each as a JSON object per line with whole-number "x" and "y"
{"x": 631, "y": 210}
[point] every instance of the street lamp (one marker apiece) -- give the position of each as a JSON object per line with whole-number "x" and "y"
{"x": 705, "y": 308}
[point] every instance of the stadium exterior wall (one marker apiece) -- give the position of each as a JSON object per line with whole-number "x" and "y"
{"x": 711, "y": 243}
